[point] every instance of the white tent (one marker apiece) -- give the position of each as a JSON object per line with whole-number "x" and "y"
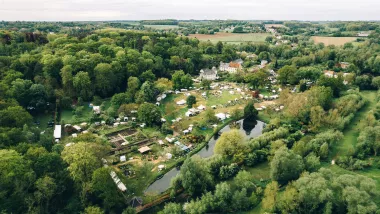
{"x": 201, "y": 107}
{"x": 96, "y": 109}
{"x": 169, "y": 156}
{"x": 221, "y": 116}
{"x": 123, "y": 158}
{"x": 181, "y": 102}
{"x": 161, "y": 167}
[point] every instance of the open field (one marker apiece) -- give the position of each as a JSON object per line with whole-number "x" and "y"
{"x": 162, "y": 27}
{"x": 231, "y": 37}
{"x": 333, "y": 40}
{"x": 351, "y": 132}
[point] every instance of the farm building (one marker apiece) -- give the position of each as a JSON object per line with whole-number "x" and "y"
{"x": 363, "y": 34}
{"x": 231, "y": 67}
{"x": 329, "y": 73}
{"x": 208, "y": 74}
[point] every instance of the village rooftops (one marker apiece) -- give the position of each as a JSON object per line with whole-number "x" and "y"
{"x": 234, "y": 65}
{"x": 329, "y": 73}
{"x": 207, "y": 71}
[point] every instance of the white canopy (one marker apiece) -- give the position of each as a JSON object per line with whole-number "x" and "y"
{"x": 181, "y": 102}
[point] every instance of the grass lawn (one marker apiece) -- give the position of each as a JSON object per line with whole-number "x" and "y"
{"x": 352, "y": 131}
{"x": 69, "y": 117}
{"x": 43, "y": 118}
{"x": 260, "y": 171}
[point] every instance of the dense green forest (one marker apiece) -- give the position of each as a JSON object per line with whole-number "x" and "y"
{"x": 54, "y": 66}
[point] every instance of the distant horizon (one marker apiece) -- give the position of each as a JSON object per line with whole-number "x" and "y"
{"x": 136, "y": 20}
{"x": 110, "y": 10}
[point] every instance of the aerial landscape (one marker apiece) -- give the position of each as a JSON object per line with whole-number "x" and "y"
{"x": 274, "y": 112}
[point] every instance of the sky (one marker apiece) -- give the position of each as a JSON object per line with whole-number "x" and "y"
{"x": 102, "y": 10}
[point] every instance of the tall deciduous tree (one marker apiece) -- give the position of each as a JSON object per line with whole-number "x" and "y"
{"x": 83, "y": 159}
{"x": 149, "y": 114}
{"x": 190, "y": 101}
{"x": 15, "y": 179}
{"x": 270, "y": 196}
{"x": 286, "y": 166}
{"x": 105, "y": 79}
{"x": 286, "y": 74}
{"x": 195, "y": 176}
{"x": 83, "y": 86}
{"x": 230, "y": 143}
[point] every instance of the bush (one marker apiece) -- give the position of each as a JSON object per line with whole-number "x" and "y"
{"x": 228, "y": 171}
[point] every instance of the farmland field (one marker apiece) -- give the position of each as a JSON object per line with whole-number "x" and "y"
{"x": 162, "y": 27}
{"x": 333, "y": 40}
{"x": 231, "y": 37}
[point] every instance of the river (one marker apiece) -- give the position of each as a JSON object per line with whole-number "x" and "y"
{"x": 249, "y": 128}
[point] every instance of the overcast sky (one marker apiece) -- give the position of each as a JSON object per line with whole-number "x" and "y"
{"x": 83, "y": 10}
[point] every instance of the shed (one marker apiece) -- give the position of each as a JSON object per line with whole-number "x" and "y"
{"x": 57, "y": 131}
{"x": 144, "y": 149}
{"x": 160, "y": 142}
{"x": 123, "y": 158}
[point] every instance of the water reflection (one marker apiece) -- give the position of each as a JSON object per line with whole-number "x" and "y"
{"x": 250, "y": 129}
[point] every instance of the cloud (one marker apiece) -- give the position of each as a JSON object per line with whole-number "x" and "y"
{"x": 72, "y": 10}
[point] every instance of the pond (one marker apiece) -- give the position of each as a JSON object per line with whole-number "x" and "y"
{"x": 250, "y": 129}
